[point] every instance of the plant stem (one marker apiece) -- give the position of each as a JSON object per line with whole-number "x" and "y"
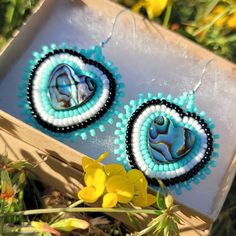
{"x": 17, "y": 229}
{"x": 168, "y": 14}
{"x": 75, "y": 204}
{"x": 61, "y": 214}
{"x": 78, "y": 209}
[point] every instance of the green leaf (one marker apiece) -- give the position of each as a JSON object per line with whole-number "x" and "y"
{"x": 160, "y": 201}
{"x": 159, "y": 212}
{"x": 177, "y": 220}
{"x": 163, "y": 187}
{"x": 173, "y": 228}
{"x": 10, "y": 12}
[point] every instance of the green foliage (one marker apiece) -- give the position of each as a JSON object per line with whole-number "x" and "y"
{"x": 12, "y": 14}
{"x": 211, "y": 23}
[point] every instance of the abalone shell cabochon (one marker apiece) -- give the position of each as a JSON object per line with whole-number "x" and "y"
{"x": 66, "y": 90}
{"x": 165, "y": 141}
{"x": 71, "y": 91}
{"x": 168, "y": 143}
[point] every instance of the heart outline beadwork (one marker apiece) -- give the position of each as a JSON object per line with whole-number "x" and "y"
{"x": 88, "y": 118}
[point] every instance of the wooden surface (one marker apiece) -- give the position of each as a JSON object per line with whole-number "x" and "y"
{"x": 62, "y": 168}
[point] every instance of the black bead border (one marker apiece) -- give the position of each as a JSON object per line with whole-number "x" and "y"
{"x": 86, "y": 123}
{"x": 190, "y": 173}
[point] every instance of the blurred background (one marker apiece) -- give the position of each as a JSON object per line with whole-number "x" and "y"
{"x": 210, "y": 23}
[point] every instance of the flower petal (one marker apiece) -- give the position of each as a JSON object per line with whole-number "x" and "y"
{"x": 95, "y": 177}
{"x": 137, "y": 7}
{"x": 151, "y": 199}
{"x": 109, "y": 200}
{"x": 155, "y": 8}
{"x": 144, "y": 200}
{"x": 114, "y": 169}
{"x": 102, "y": 156}
{"x": 140, "y": 200}
{"x": 121, "y": 185}
{"x": 138, "y": 179}
{"x": 88, "y": 194}
{"x": 232, "y": 20}
{"x": 90, "y": 163}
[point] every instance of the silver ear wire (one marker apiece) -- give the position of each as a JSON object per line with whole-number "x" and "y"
{"x": 114, "y": 21}
{"x": 203, "y": 73}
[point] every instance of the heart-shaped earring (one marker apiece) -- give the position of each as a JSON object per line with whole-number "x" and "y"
{"x": 71, "y": 91}
{"x": 167, "y": 138}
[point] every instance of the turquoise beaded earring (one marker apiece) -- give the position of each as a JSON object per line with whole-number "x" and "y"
{"x": 167, "y": 138}
{"x": 71, "y": 91}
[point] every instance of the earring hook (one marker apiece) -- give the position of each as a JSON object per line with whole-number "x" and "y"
{"x": 203, "y": 73}
{"x": 114, "y": 21}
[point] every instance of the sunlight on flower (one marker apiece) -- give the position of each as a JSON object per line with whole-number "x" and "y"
{"x": 154, "y": 8}
{"x": 121, "y": 186}
{"x": 94, "y": 179}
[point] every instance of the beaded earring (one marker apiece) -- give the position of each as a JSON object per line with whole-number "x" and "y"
{"x": 71, "y": 91}
{"x": 167, "y": 138}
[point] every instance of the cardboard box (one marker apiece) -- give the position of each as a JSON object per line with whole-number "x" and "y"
{"x": 62, "y": 169}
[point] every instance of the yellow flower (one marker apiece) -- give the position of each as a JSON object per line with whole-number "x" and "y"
{"x": 231, "y": 23}
{"x": 141, "y": 197}
{"x": 88, "y": 162}
{"x": 119, "y": 189}
{"x": 69, "y": 224}
{"x": 120, "y": 186}
{"x": 154, "y": 8}
{"x": 95, "y": 179}
{"x": 96, "y": 176}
